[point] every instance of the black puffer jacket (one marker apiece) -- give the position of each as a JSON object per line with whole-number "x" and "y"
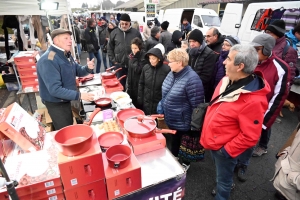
{"x": 119, "y": 46}
{"x": 102, "y": 34}
{"x": 175, "y": 41}
{"x": 217, "y": 47}
{"x": 135, "y": 67}
{"x": 91, "y": 38}
{"x": 203, "y": 61}
{"x": 150, "y": 43}
{"x": 151, "y": 80}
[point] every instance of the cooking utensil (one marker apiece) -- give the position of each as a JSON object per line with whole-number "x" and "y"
{"x": 144, "y": 126}
{"x": 113, "y": 83}
{"x": 109, "y": 139}
{"x": 75, "y": 139}
{"x": 107, "y": 75}
{"x": 105, "y": 101}
{"x": 128, "y": 113}
{"x": 90, "y": 120}
{"x": 118, "y": 156}
{"x": 86, "y": 78}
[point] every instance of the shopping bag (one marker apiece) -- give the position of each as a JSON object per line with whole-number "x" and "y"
{"x": 190, "y": 149}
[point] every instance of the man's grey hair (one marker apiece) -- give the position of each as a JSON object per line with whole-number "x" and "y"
{"x": 245, "y": 54}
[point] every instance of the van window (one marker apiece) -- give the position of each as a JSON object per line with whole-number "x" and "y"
{"x": 209, "y": 20}
{"x": 197, "y": 21}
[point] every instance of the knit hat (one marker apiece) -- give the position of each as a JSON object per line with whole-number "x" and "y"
{"x": 103, "y": 18}
{"x": 196, "y": 35}
{"x": 154, "y": 31}
{"x": 277, "y": 27}
{"x": 125, "y": 17}
{"x": 265, "y": 40}
{"x": 232, "y": 40}
{"x": 164, "y": 25}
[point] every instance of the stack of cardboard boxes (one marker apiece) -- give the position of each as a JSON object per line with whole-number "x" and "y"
{"x": 26, "y": 66}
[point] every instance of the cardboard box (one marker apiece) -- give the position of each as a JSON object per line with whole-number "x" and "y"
{"x": 22, "y": 128}
{"x": 28, "y": 74}
{"x": 48, "y": 193}
{"x": 46, "y": 119}
{"x": 81, "y": 169}
{"x": 6, "y": 149}
{"x": 35, "y": 171}
{"x": 25, "y": 57}
{"x": 122, "y": 181}
{"x": 95, "y": 191}
{"x": 26, "y": 67}
{"x": 59, "y": 196}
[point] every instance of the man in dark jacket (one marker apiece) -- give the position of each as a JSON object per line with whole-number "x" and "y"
{"x": 165, "y": 36}
{"x": 119, "y": 46}
{"x": 185, "y": 28}
{"x": 214, "y": 39}
{"x": 151, "y": 80}
{"x": 154, "y": 38}
{"x": 77, "y": 39}
{"x": 92, "y": 42}
{"x": 57, "y": 71}
{"x": 202, "y": 60}
{"x": 282, "y": 48}
{"x": 175, "y": 42}
{"x": 102, "y": 38}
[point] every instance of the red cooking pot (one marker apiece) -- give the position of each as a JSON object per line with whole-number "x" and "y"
{"x": 109, "y": 139}
{"x": 118, "y": 156}
{"x": 128, "y": 113}
{"x": 113, "y": 83}
{"x": 75, "y": 139}
{"x": 102, "y": 102}
{"x": 144, "y": 126}
{"x": 109, "y": 74}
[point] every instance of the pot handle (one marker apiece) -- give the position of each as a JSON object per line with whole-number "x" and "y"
{"x": 116, "y": 164}
{"x": 109, "y": 69}
{"x": 121, "y": 77}
{"x": 158, "y": 130}
{"x": 92, "y": 117}
{"x": 119, "y": 69}
{"x": 153, "y": 117}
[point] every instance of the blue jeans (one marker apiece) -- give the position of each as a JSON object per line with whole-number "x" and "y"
{"x": 224, "y": 168}
{"x": 104, "y": 58}
{"x": 244, "y": 158}
{"x": 264, "y": 138}
{"x": 97, "y": 55}
{"x": 79, "y": 49}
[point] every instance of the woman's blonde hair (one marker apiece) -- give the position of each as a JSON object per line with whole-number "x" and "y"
{"x": 179, "y": 55}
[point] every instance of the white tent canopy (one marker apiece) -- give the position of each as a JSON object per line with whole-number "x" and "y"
{"x": 31, "y": 7}
{"x": 140, "y": 4}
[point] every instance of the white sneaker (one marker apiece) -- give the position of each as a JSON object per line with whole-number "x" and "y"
{"x": 185, "y": 167}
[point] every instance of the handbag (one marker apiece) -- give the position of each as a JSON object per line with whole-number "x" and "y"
{"x": 104, "y": 48}
{"x": 190, "y": 149}
{"x": 90, "y": 48}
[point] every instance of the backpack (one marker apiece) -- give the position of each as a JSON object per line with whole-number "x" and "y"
{"x": 286, "y": 48}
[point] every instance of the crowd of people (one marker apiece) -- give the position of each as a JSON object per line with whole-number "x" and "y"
{"x": 172, "y": 73}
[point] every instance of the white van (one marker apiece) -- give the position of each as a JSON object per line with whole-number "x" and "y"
{"x": 199, "y": 18}
{"x": 234, "y": 24}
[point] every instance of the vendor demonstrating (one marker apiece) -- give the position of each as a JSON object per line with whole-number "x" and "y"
{"x": 57, "y": 71}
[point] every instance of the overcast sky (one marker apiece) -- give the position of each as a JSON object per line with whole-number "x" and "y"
{"x": 78, "y": 3}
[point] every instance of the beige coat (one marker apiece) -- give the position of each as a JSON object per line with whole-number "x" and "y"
{"x": 146, "y": 31}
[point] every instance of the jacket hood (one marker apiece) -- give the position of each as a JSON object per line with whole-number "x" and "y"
{"x": 258, "y": 86}
{"x": 220, "y": 40}
{"x": 156, "y": 52}
{"x": 176, "y": 36}
{"x": 292, "y": 36}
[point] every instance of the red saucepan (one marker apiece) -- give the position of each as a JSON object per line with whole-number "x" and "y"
{"x": 144, "y": 126}
{"x": 118, "y": 156}
{"x": 110, "y": 139}
{"x": 128, "y": 113}
{"x": 86, "y": 78}
{"x": 109, "y": 74}
{"x": 102, "y": 102}
{"x": 113, "y": 83}
{"x": 75, "y": 139}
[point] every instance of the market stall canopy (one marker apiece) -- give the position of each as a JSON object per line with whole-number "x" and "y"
{"x": 139, "y": 4}
{"x": 31, "y": 7}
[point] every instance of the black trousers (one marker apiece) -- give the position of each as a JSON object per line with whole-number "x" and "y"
{"x": 176, "y": 141}
{"x": 60, "y": 113}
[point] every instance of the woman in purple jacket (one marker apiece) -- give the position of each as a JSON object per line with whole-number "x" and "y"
{"x": 220, "y": 67}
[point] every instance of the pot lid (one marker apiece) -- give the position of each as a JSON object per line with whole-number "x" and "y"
{"x": 144, "y": 126}
{"x": 107, "y": 73}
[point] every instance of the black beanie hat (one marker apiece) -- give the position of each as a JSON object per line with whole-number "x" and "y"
{"x": 125, "y": 17}
{"x": 164, "y": 25}
{"x": 277, "y": 27}
{"x": 196, "y": 35}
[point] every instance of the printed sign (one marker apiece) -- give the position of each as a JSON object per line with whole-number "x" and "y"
{"x": 150, "y": 10}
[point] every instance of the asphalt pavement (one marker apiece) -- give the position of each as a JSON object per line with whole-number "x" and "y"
{"x": 201, "y": 176}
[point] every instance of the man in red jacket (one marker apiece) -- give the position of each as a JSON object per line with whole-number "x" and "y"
{"x": 233, "y": 122}
{"x": 277, "y": 74}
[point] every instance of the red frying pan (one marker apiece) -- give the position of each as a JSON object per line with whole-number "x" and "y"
{"x": 103, "y": 102}
{"x": 109, "y": 139}
{"x": 113, "y": 83}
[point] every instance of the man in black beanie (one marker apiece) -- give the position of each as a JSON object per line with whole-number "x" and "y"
{"x": 165, "y": 36}
{"x": 153, "y": 39}
{"x": 283, "y": 48}
{"x": 119, "y": 46}
{"x": 202, "y": 60}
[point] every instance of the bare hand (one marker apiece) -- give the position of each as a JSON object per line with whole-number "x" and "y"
{"x": 87, "y": 96}
{"x": 90, "y": 64}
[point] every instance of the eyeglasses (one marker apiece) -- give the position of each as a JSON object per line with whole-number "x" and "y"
{"x": 226, "y": 45}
